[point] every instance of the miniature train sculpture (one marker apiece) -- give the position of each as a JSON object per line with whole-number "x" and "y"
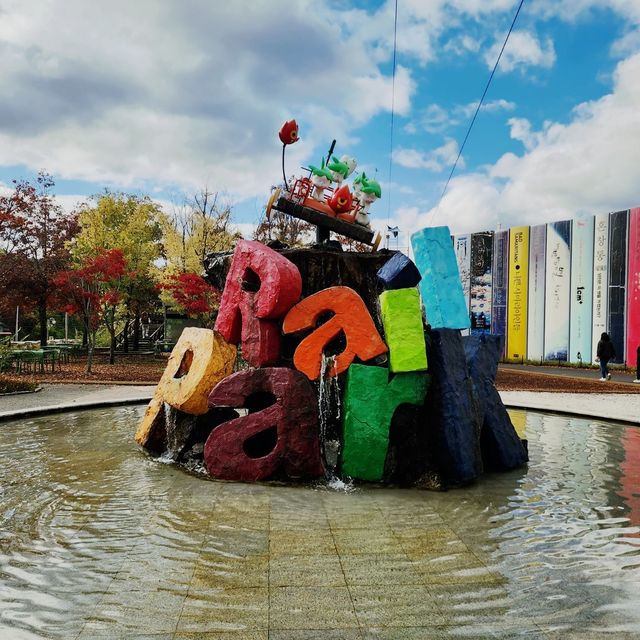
{"x": 338, "y": 375}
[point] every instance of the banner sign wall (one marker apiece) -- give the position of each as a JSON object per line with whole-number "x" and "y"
{"x": 517, "y": 295}
{"x": 600, "y": 280}
{"x": 581, "y": 290}
{"x": 500, "y": 269}
{"x": 462, "y": 248}
{"x": 618, "y": 281}
{"x": 535, "y": 325}
{"x": 633, "y": 288}
{"x": 480, "y": 288}
{"x": 557, "y": 291}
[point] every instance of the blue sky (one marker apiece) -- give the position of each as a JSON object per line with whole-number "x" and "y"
{"x": 165, "y": 98}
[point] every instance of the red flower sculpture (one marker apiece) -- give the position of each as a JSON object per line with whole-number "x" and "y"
{"x": 341, "y": 201}
{"x": 289, "y": 132}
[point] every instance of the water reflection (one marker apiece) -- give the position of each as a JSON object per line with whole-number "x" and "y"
{"x": 98, "y": 541}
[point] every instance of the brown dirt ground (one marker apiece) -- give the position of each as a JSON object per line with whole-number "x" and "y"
{"x": 137, "y": 369}
{"x": 518, "y": 380}
{"x": 147, "y": 369}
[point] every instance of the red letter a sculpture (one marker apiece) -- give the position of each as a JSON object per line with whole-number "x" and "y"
{"x": 245, "y": 448}
{"x": 350, "y": 316}
{"x": 261, "y": 286}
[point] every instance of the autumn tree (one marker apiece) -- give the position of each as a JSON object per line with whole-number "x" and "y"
{"x": 196, "y": 228}
{"x": 131, "y": 224}
{"x": 192, "y": 295}
{"x": 286, "y": 229}
{"x": 93, "y": 290}
{"x": 35, "y": 235}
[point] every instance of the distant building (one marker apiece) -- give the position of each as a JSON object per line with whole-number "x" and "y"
{"x": 552, "y": 289}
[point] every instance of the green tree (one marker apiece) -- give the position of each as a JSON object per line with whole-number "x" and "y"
{"x": 131, "y": 224}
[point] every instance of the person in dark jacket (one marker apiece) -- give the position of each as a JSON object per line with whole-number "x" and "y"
{"x": 605, "y": 353}
{"x": 637, "y": 364}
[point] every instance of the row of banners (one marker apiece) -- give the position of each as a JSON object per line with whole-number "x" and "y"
{"x": 553, "y": 289}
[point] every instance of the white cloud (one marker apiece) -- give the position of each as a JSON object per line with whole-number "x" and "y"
{"x": 590, "y": 165}
{"x": 183, "y": 97}
{"x": 492, "y": 106}
{"x": 436, "y": 119}
{"x": 435, "y": 160}
{"x": 523, "y": 50}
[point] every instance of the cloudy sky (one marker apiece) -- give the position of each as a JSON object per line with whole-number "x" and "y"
{"x": 164, "y": 97}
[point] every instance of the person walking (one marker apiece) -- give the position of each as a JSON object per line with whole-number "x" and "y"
{"x": 605, "y": 352}
{"x": 637, "y": 364}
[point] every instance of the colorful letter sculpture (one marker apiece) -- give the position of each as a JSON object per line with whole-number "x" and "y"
{"x": 350, "y": 316}
{"x": 387, "y": 420}
{"x": 200, "y": 359}
{"x": 246, "y": 316}
{"x": 501, "y": 447}
{"x": 453, "y": 409}
{"x": 370, "y": 400}
{"x": 440, "y": 286}
{"x": 293, "y": 415}
{"x": 402, "y": 321}
{"x": 399, "y": 273}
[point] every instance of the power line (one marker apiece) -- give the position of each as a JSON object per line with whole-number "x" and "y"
{"x": 475, "y": 115}
{"x": 393, "y": 98}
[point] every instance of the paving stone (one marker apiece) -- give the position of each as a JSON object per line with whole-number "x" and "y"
{"x": 306, "y": 571}
{"x": 225, "y": 610}
{"x": 311, "y": 608}
{"x": 402, "y": 606}
{"x": 380, "y": 568}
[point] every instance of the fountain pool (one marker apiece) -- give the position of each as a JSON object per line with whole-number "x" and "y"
{"x": 99, "y": 541}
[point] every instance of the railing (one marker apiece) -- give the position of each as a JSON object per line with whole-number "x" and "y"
{"x": 149, "y": 333}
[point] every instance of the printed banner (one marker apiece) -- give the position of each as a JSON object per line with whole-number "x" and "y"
{"x": 581, "y": 291}
{"x": 462, "y": 248}
{"x": 535, "y": 324}
{"x": 600, "y": 280}
{"x": 617, "y": 281}
{"x": 500, "y": 287}
{"x": 633, "y": 288}
{"x": 480, "y": 291}
{"x": 517, "y": 296}
{"x": 557, "y": 291}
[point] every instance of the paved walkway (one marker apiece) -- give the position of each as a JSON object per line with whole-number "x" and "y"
{"x": 619, "y": 407}
{"x": 617, "y": 375}
{"x": 65, "y": 397}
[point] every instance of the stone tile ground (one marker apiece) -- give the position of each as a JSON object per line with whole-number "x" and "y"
{"x": 282, "y": 563}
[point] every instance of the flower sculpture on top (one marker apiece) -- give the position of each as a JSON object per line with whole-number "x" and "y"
{"x": 325, "y": 190}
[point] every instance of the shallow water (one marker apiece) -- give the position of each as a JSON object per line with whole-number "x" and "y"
{"x": 99, "y": 541}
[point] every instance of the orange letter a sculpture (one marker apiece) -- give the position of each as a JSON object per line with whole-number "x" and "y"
{"x": 350, "y": 316}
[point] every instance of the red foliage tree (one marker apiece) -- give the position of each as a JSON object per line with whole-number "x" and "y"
{"x": 34, "y": 236}
{"x": 93, "y": 291}
{"x": 192, "y": 295}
